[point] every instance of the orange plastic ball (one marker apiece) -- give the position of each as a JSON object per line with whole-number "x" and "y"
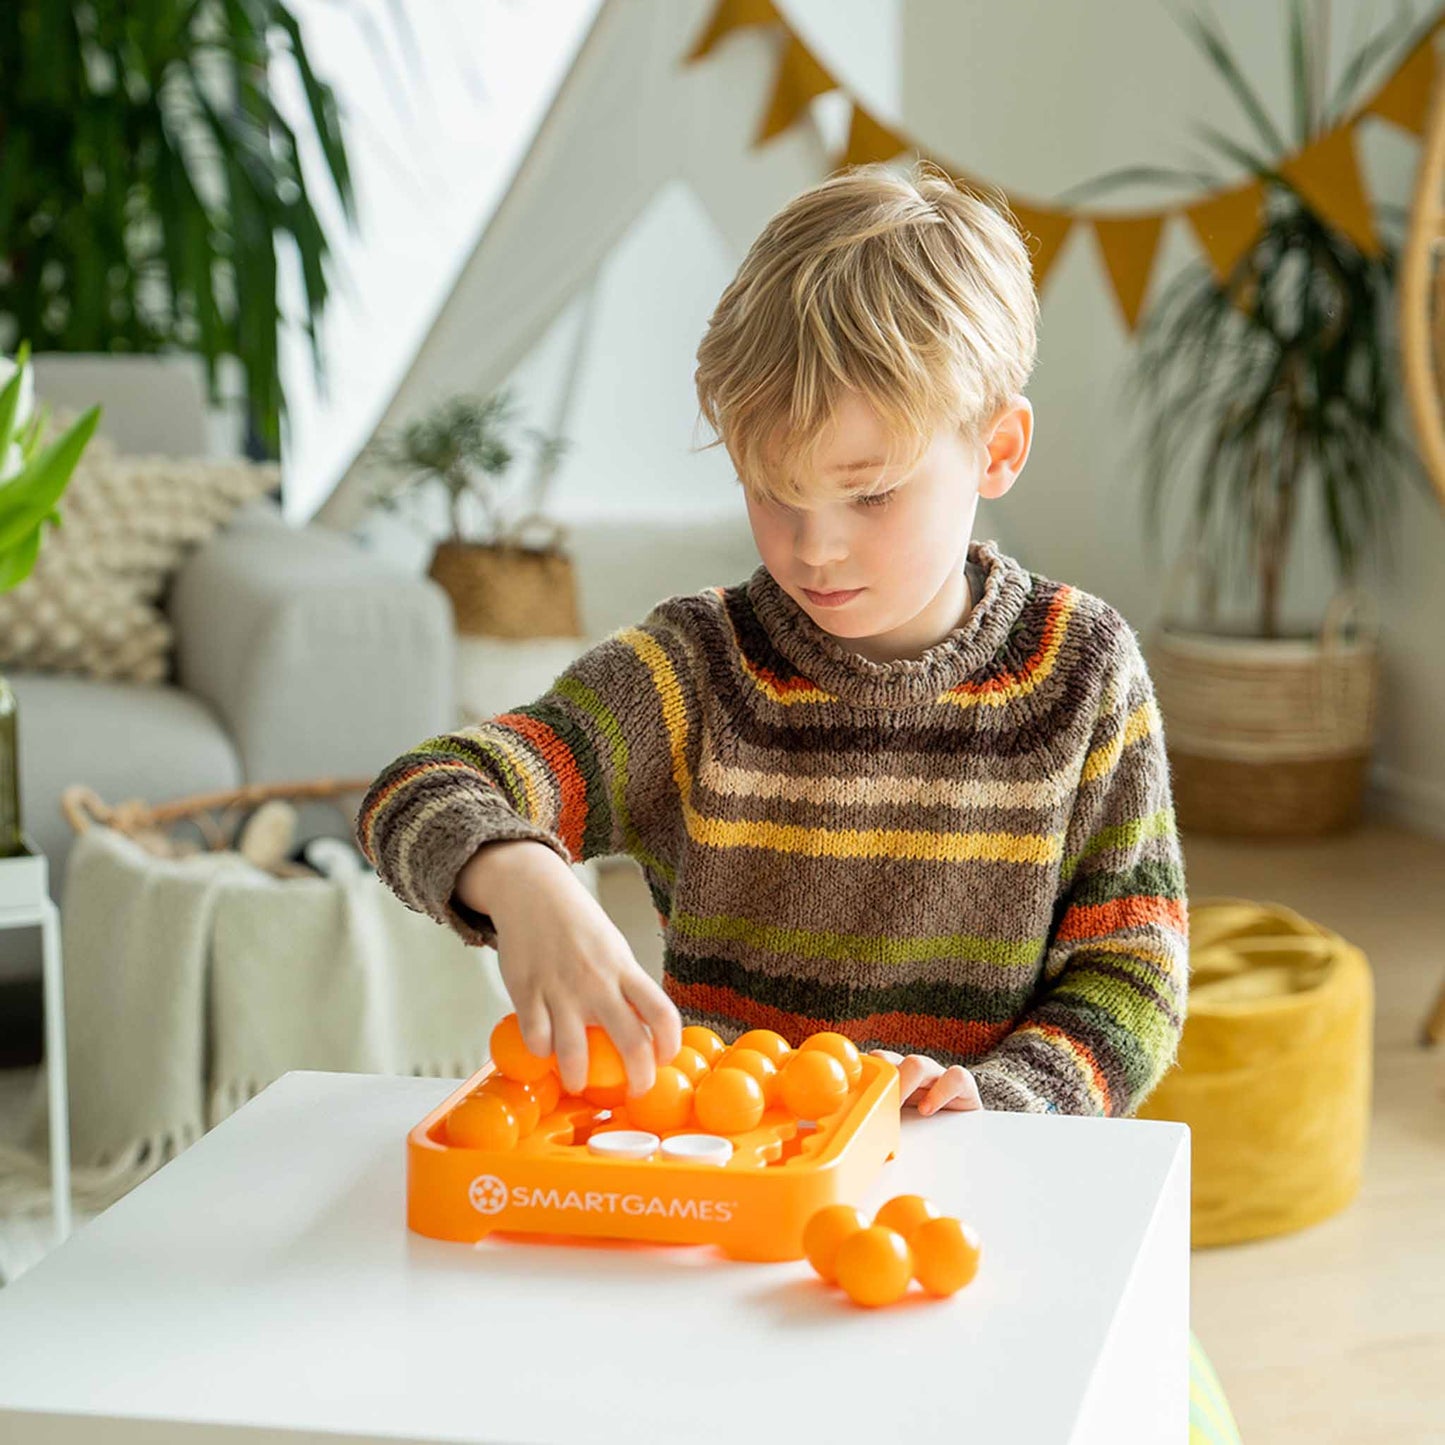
{"x": 513, "y": 1058}
{"x": 843, "y": 1049}
{"x": 605, "y": 1069}
{"x": 905, "y": 1212}
{"x": 666, "y": 1106}
{"x": 874, "y": 1266}
{"x": 729, "y": 1101}
{"x": 548, "y": 1090}
{"x": 691, "y": 1062}
{"x": 521, "y": 1099}
{"x": 945, "y": 1254}
{"x": 765, "y": 1041}
{"x": 760, "y": 1066}
{"x": 813, "y": 1083}
{"x": 705, "y": 1041}
{"x": 483, "y": 1121}
{"x": 825, "y": 1230}
{"x": 606, "y": 1097}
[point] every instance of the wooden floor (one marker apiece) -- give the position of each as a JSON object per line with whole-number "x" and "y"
{"x": 1334, "y": 1335}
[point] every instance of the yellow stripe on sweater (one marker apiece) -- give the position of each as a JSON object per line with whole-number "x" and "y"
{"x": 811, "y": 841}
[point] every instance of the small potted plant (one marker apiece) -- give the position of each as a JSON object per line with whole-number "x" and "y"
{"x": 503, "y": 564}
{"x": 34, "y": 471}
{"x": 1273, "y": 393}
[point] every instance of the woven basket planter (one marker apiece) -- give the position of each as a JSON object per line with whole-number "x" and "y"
{"x": 508, "y": 591}
{"x": 1274, "y": 1070}
{"x": 1268, "y": 737}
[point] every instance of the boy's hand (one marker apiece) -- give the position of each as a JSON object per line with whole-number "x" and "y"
{"x": 928, "y": 1086}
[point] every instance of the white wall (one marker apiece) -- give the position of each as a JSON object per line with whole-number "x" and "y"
{"x": 1038, "y": 96}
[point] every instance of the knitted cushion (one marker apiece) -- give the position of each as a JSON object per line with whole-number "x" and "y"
{"x": 1273, "y": 1071}
{"x": 128, "y": 522}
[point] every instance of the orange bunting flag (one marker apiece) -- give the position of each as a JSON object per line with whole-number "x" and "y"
{"x": 1050, "y": 229}
{"x": 800, "y": 79}
{"x": 1227, "y": 225}
{"x": 1405, "y": 97}
{"x": 1129, "y": 244}
{"x": 1327, "y": 174}
{"x": 733, "y": 15}
{"x": 870, "y": 140}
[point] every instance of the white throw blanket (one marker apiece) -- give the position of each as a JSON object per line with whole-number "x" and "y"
{"x": 191, "y": 984}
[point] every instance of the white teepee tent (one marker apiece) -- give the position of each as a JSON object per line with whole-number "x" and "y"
{"x": 630, "y": 123}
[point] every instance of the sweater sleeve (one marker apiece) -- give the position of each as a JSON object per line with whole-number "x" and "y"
{"x": 588, "y": 769}
{"x": 1106, "y": 1020}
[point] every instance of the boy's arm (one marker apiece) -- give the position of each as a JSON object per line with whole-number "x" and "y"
{"x": 587, "y": 770}
{"x": 1106, "y": 1025}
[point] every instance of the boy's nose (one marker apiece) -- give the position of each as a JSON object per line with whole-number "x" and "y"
{"x": 819, "y": 545}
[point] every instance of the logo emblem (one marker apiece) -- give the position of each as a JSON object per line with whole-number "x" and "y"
{"x": 487, "y": 1193}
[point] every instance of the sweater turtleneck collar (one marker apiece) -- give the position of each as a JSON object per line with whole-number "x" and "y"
{"x": 906, "y": 681}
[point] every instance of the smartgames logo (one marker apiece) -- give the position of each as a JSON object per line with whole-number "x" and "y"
{"x": 490, "y": 1195}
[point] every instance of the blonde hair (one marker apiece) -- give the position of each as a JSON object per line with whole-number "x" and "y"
{"x": 906, "y": 288}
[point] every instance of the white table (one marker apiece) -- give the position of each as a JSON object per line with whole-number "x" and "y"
{"x": 266, "y": 1278}
{"x": 25, "y": 902}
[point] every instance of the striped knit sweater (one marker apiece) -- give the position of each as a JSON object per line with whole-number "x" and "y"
{"x": 971, "y": 854}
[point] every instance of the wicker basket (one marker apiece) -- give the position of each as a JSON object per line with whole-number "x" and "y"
{"x": 510, "y": 590}
{"x": 217, "y": 817}
{"x": 1269, "y": 737}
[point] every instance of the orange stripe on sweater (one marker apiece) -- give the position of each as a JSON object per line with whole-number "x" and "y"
{"x": 572, "y": 786}
{"x": 1095, "y": 920}
{"x": 1082, "y": 1053}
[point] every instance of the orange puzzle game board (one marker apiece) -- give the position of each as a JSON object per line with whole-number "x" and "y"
{"x": 509, "y": 1154}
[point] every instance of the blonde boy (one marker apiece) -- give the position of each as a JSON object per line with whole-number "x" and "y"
{"x": 931, "y": 811}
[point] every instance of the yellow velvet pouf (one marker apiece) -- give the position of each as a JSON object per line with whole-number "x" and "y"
{"x": 1274, "y": 1070}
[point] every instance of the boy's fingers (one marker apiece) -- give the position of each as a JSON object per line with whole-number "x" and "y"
{"x": 536, "y": 1026}
{"x": 569, "y": 1042}
{"x": 913, "y": 1072}
{"x": 633, "y": 1041}
{"x": 658, "y": 1012}
{"x": 954, "y": 1086}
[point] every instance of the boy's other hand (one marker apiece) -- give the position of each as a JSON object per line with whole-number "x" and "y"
{"x": 928, "y": 1086}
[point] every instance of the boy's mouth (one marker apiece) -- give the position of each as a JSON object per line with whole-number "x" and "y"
{"x": 832, "y": 599}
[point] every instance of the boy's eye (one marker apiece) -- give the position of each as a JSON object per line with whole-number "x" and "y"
{"x": 876, "y": 499}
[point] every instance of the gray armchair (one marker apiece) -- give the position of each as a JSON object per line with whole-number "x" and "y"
{"x": 299, "y": 654}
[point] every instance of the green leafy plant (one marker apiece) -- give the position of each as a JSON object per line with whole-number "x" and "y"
{"x": 147, "y": 179}
{"x": 1282, "y": 379}
{"x": 462, "y": 447}
{"x": 34, "y": 472}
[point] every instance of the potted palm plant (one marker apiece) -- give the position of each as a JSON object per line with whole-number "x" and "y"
{"x": 33, "y": 474}
{"x": 503, "y": 562}
{"x": 1272, "y": 393}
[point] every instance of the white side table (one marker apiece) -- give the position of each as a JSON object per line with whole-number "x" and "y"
{"x": 264, "y": 1286}
{"x": 25, "y": 902}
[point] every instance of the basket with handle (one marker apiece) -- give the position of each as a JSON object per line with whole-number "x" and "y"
{"x": 1268, "y": 736}
{"x": 218, "y": 817}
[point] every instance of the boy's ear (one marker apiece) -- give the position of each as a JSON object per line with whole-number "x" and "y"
{"x": 1008, "y": 448}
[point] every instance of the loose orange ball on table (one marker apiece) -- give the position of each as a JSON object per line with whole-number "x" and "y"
{"x": 729, "y": 1101}
{"x": 812, "y": 1084}
{"x": 874, "y": 1266}
{"x": 692, "y": 1063}
{"x": 825, "y": 1230}
{"x": 842, "y": 1048}
{"x": 904, "y": 1213}
{"x": 945, "y": 1254}
{"x": 765, "y": 1041}
{"x": 483, "y": 1121}
{"x": 750, "y": 1061}
{"x": 708, "y": 1044}
{"x": 513, "y": 1058}
{"x": 666, "y": 1106}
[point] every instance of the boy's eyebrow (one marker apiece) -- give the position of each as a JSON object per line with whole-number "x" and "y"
{"x": 857, "y": 466}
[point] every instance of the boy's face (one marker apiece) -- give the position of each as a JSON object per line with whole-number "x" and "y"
{"x": 904, "y": 554}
